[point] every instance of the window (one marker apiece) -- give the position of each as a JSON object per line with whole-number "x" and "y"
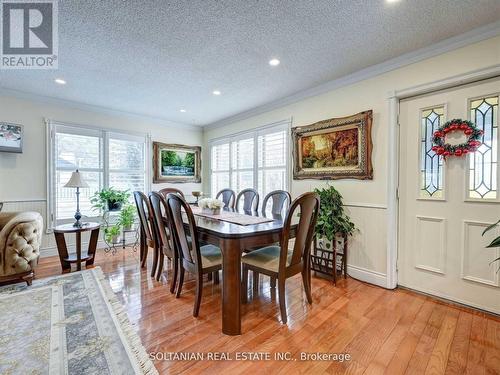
{"x": 483, "y": 164}
{"x": 105, "y": 159}
{"x": 431, "y": 164}
{"x": 255, "y": 159}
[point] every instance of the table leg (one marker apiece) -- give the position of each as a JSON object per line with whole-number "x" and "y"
{"x": 231, "y": 287}
{"x": 63, "y": 251}
{"x": 78, "y": 251}
{"x": 94, "y": 236}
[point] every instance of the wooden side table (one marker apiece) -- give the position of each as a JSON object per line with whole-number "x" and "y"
{"x": 66, "y": 260}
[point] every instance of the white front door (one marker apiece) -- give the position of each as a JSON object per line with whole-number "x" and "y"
{"x": 444, "y": 205}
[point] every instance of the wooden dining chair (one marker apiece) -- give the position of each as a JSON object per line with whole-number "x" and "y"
{"x": 147, "y": 228}
{"x": 250, "y": 199}
{"x": 228, "y": 197}
{"x": 166, "y": 245}
{"x": 165, "y": 191}
{"x": 196, "y": 259}
{"x": 281, "y": 262}
{"x": 280, "y": 200}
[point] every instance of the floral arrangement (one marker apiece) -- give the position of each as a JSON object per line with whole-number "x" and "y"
{"x": 210, "y": 203}
{"x": 471, "y": 144}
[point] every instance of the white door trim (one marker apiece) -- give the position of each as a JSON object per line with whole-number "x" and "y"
{"x": 393, "y": 99}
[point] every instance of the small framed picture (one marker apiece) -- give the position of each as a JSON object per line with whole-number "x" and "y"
{"x": 11, "y": 137}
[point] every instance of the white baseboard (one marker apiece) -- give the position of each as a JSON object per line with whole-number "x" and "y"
{"x": 369, "y": 276}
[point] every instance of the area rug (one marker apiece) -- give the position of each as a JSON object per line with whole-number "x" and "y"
{"x": 68, "y": 324}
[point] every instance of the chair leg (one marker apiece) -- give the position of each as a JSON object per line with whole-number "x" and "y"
{"x": 181, "y": 281}
{"x": 173, "y": 282}
{"x": 160, "y": 266}
{"x": 199, "y": 292}
{"x": 143, "y": 253}
{"x": 155, "y": 261}
{"x": 144, "y": 256}
{"x": 255, "y": 283}
{"x": 216, "y": 277}
{"x": 307, "y": 284}
{"x": 273, "y": 282}
{"x": 281, "y": 292}
{"x": 244, "y": 284}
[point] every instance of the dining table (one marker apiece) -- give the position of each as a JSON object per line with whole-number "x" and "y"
{"x": 233, "y": 239}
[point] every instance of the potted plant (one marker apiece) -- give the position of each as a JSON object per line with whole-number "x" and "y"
{"x": 495, "y": 242}
{"x": 112, "y": 234}
{"x": 109, "y": 199}
{"x": 333, "y": 223}
{"x": 211, "y": 206}
{"x": 127, "y": 216}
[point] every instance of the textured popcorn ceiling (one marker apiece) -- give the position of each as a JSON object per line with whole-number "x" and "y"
{"x": 155, "y": 57}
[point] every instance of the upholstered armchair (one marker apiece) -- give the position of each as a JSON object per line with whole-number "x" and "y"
{"x": 20, "y": 240}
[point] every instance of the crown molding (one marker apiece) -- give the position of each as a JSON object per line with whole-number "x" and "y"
{"x": 95, "y": 109}
{"x": 476, "y": 35}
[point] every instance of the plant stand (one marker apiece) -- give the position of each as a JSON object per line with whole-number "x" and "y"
{"x": 324, "y": 261}
{"x": 108, "y": 221}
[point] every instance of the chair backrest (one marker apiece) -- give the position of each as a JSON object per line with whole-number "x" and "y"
{"x": 166, "y": 191}
{"x": 228, "y": 197}
{"x": 280, "y": 200}
{"x": 159, "y": 208}
{"x": 308, "y": 204}
{"x": 250, "y": 199}
{"x": 145, "y": 216}
{"x": 175, "y": 207}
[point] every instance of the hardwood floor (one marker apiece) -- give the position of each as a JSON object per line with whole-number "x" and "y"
{"x": 385, "y": 332}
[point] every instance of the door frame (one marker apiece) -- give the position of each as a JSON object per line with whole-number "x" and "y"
{"x": 393, "y": 98}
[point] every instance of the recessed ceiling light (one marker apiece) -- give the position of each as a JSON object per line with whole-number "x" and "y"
{"x": 216, "y": 92}
{"x": 392, "y": 1}
{"x": 60, "y": 81}
{"x": 274, "y": 62}
{"x": 182, "y": 110}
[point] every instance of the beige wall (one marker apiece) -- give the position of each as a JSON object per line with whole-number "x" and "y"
{"x": 367, "y": 200}
{"x": 23, "y": 177}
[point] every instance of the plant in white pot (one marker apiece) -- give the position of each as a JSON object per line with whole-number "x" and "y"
{"x": 112, "y": 234}
{"x": 210, "y": 206}
{"x": 127, "y": 216}
{"x": 333, "y": 223}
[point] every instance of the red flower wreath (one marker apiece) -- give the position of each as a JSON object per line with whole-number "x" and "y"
{"x": 470, "y": 130}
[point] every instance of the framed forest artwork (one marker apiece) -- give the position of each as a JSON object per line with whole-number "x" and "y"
{"x": 176, "y": 163}
{"x": 333, "y": 149}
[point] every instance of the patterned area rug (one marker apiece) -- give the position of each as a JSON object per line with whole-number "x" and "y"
{"x": 68, "y": 324}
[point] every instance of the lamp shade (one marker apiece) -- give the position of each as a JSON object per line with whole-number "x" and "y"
{"x": 76, "y": 181}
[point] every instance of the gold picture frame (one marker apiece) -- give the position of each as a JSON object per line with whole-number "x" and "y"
{"x": 176, "y": 163}
{"x": 336, "y": 148}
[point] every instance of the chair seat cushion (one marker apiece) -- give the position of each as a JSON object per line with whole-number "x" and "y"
{"x": 210, "y": 256}
{"x": 267, "y": 258}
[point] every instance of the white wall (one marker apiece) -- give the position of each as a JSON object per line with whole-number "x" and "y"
{"x": 23, "y": 177}
{"x": 366, "y": 200}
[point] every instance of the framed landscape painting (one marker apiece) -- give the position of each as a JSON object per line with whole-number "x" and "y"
{"x": 176, "y": 163}
{"x": 333, "y": 149}
{"x": 11, "y": 137}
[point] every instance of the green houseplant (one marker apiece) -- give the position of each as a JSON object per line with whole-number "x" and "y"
{"x": 112, "y": 234}
{"x": 127, "y": 216}
{"x": 109, "y": 199}
{"x": 332, "y": 219}
{"x": 495, "y": 242}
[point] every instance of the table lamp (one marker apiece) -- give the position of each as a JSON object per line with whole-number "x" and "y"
{"x": 77, "y": 182}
